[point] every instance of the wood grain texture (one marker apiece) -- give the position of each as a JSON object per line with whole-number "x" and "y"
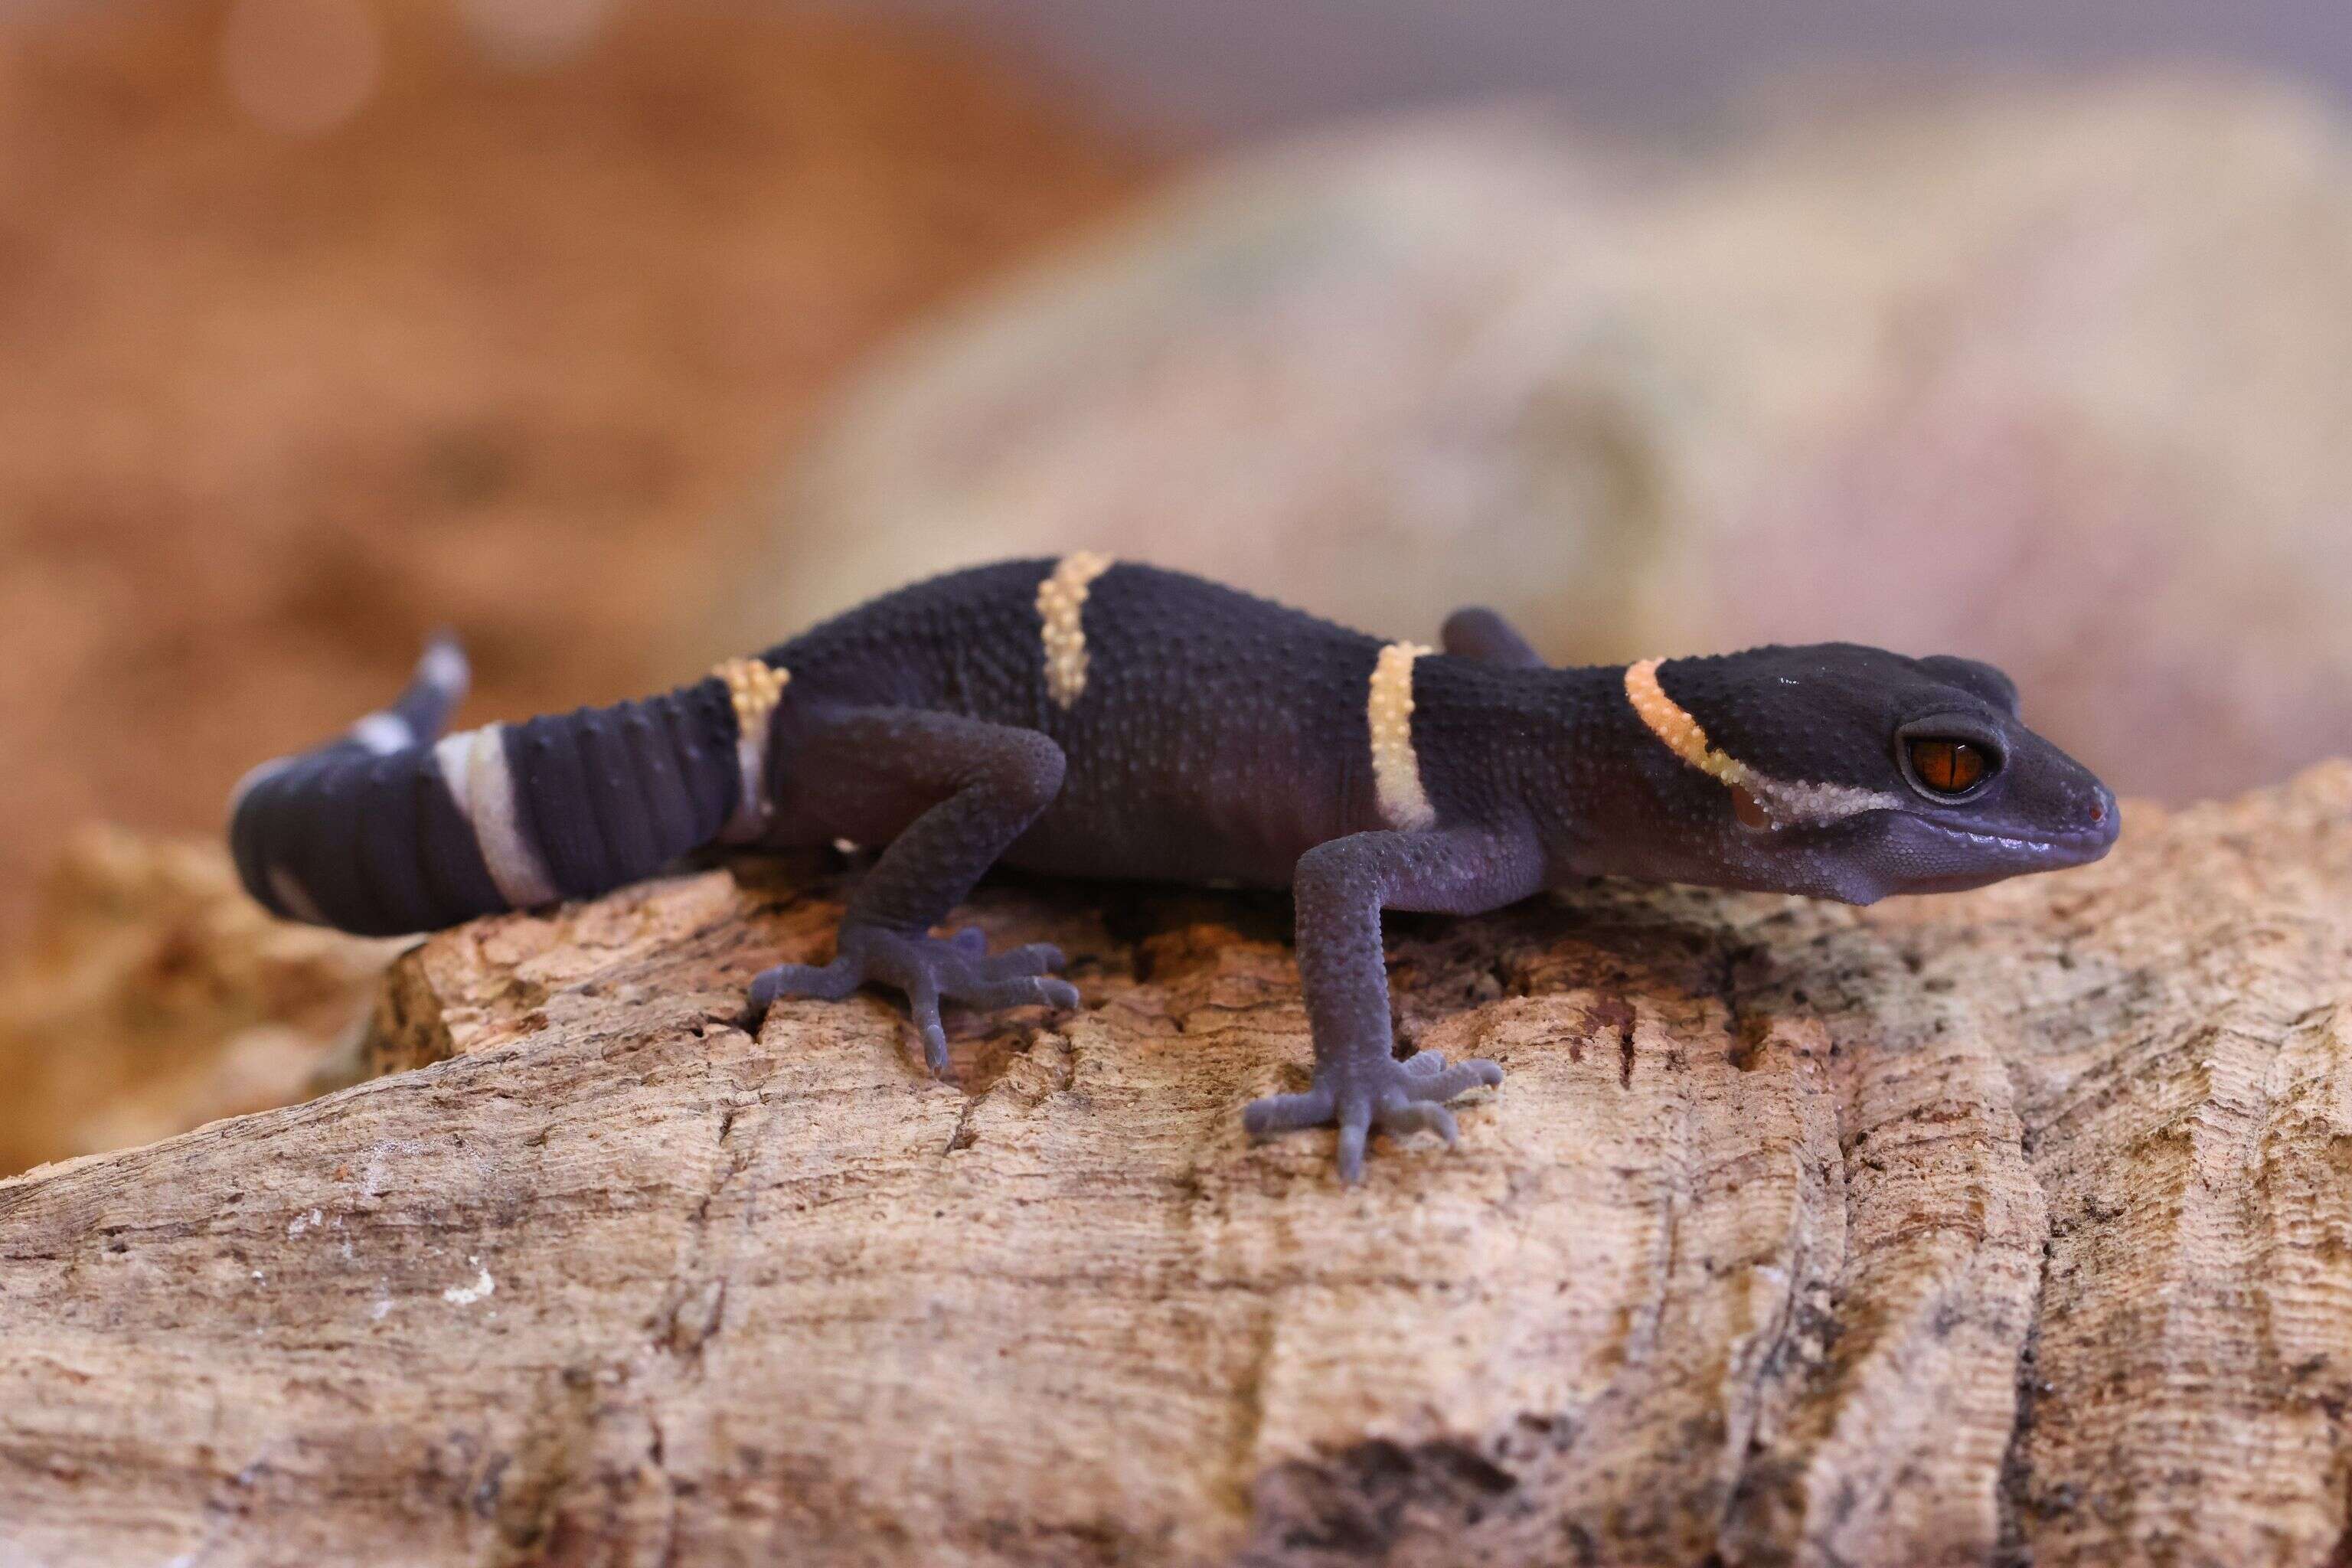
{"x": 2009, "y": 1227}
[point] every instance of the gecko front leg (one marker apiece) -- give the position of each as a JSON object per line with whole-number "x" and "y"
{"x": 1340, "y": 889}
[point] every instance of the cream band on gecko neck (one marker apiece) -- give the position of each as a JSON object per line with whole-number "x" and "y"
{"x": 1672, "y": 724}
{"x": 1760, "y": 799}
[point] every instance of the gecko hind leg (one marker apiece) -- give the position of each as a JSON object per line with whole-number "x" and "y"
{"x": 957, "y": 792}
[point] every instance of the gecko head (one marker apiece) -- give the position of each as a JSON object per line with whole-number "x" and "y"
{"x": 1851, "y": 773}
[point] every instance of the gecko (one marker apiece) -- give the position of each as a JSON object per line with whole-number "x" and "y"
{"x": 1085, "y": 717}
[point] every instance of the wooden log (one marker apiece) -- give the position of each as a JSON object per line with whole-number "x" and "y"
{"x": 2008, "y": 1227}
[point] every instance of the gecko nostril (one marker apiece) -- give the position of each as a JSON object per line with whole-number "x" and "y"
{"x": 2105, "y": 816}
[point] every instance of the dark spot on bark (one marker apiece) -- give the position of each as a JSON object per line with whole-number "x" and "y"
{"x": 485, "y": 1499}
{"x": 1355, "y": 1506}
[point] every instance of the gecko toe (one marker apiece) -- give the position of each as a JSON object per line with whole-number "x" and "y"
{"x": 1420, "y": 1116}
{"x": 971, "y": 943}
{"x": 923, "y": 1008}
{"x": 1035, "y": 958}
{"x": 1355, "y": 1129}
{"x": 1287, "y": 1112}
{"x": 1022, "y": 991}
{"x": 828, "y": 983}
{"x": 1446, "y": 1082}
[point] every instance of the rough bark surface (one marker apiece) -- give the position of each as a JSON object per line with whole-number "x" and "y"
{"x": 2001, "y": 1228}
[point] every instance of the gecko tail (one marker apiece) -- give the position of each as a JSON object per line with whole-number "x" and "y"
{"x": 394, "y": 826}
{"x": 433, "y": 693}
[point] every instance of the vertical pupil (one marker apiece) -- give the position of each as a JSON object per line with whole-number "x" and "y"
{"x": 1948, "y": 767}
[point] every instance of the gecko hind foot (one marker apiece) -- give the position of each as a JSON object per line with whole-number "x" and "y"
{"x": 1409, "y": 1097}
{"x": 927, "y": 970}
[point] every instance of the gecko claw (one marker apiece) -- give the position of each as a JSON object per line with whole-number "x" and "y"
{"x": 928, "y": 970}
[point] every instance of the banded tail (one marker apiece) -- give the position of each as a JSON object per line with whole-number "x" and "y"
{"x": 394, "y": 828}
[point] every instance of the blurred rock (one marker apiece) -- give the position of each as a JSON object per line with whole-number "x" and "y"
{"x": 2054, "y": 376}
{"x": 481, "y": 346}
{"x": 156, "y": 996}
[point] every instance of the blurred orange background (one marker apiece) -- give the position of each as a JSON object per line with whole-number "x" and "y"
{"x": 620, "y": 336}
{"x": 327, "y": 322}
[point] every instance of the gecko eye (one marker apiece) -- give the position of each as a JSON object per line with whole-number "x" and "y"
{"x": 1946, "y": 766}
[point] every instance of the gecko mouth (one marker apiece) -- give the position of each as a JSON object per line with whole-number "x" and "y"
{"x": 2087, "y": 845}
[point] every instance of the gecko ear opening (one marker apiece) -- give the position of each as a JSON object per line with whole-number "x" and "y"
{"x": 1749, "y": 810}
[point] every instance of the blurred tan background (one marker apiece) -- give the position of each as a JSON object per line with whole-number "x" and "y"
{"x": 620, "y": 336}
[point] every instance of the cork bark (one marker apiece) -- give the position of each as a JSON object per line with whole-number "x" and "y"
{"x": 2010, "y": 1227}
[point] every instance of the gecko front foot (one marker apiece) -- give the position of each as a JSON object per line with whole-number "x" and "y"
{"x": 1405, "y": 1096}
{"x": 928, "y": 970}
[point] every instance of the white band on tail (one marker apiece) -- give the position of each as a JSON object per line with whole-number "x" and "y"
{"x": 384, "y": 733}
{"x": 473, "y": 763}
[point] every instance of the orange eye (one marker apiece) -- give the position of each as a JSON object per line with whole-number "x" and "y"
{"x": 1947, "y": 767}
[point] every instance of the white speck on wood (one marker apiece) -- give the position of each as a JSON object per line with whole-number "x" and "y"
{"x": 467, "y": 1295}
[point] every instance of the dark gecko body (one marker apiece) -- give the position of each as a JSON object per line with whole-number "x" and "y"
{"x": 1218, "y": 737}
{"x": 1081, "y": 718}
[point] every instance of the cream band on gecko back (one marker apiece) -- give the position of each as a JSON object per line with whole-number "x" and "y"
{"x": 754, "y": 687}
{"x": 1061, "y": 615}
{"x": 1760, "y": 800}
{"x": 1388, "y": 713}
